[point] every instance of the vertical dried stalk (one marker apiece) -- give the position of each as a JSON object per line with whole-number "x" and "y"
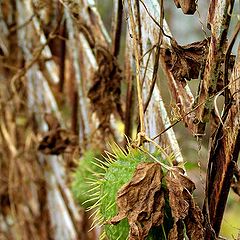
{"x": 218, "y": 20}
{"x": 62, "y": 57}
{"x": 223, "y": 155}
{"x": 116, "y": 27}
{"x": 129, "y": 110}
{"x": 84, "y": 125}
{"x": 137, "y": 59}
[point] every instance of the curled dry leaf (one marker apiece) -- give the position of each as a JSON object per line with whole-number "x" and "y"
{"x": 141, "y": 201}
{"x": 185, "y": 62}
{"x": 105, "y": 91}
{"x": 182, "y": 206}
{"x": 57, "y": 140}
{"x": 177, "y": 231}
{"x": 179, "y": 206}
{"x": 194, "y": 220}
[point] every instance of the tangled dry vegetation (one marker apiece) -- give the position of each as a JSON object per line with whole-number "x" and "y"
{"x": 63, "y": 92}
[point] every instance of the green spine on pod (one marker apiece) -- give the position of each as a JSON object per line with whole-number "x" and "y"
{"x": 86, "y": 172}
{"x": 119, "y": 169}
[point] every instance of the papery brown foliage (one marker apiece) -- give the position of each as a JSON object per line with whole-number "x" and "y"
{"x": 105, "y": 91}
{"x": 57, "y": 140}
{"x": 185, "y": 62}
{"x": 141, "y": 201}
{"x": 194, "y": 220}
{"x": 183, "y": 208}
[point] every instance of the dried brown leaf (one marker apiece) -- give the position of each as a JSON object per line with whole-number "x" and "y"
{"x": 183, "y": 208}
{"x": 105, "y": 91}
{"x": 185, "y": 62}
{"x": 176, "y": 184}
{"x": 141, "y": 201}
{"x": 184, "y": 180}
{"x": 194, "y": 220}
{"x": 177, "y": 231}
{"x": 57, "y": 141}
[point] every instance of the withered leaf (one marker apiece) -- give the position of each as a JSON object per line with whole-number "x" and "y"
{"x": 184, "y": 180}
{"x": 141, "y": 201}
{"x": 106, "y": 88}
{"x": 57, "y": 141}
{"x": 177, "y": 231}
{"x": 183, "y": 208}
{"x": 194, "y": 221}
{"x": 176, "y": 183}
{"x": 185, "y": 62}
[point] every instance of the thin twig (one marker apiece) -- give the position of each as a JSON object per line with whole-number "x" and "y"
{"x": 156, "y": 61}
{"x": 16, "y": 28}
{"x": 226, "y": 61}
{"x": 155, "y": 21}
{"x": 137, "y": 57}
{"x": 180, "y": 119}
{"x": 117, "y": 27}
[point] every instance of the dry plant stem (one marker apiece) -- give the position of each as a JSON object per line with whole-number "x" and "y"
{"x": 218, "y": 19}
{"x": 137, "y": 58}
{"x": 116, "y": 26}
{"x": 147, "y": 63}
{"x": 16, "y": 28}
{"x": 223, "y": 155}
{"x": 155, "y": 21}
{"x": 157, "y": 55}
{"x": 156, "y": 117}
{"x": 83, "y": 111}
{"x": 226, "y": 61}
{"x": 88, "y": 19}
{"x": 182, "y": 95}
{"x": 155, "y": 71}
{"x": 130, "y": 96}
{"x": 62, "y": 57}
{"x": 138, "y": 29}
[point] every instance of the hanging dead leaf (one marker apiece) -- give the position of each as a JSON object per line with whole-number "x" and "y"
{"x": 58, "y": 141}
{"x": 179, "y": 206}
{"x": 105, "y": 91}
{"x": 183, "y": 208}
{"x": 141, "y": 201}
{"x": 177, "y": 231}
{"x": 186, "y": 62}
{"x": 194, "y": 220}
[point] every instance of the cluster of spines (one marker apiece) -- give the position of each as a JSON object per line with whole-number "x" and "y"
{"x": 94, "y": 192}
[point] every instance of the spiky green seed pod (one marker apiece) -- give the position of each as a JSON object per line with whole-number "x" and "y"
{"x": 86, "y": 172}
{"x": 119, "y": 170}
